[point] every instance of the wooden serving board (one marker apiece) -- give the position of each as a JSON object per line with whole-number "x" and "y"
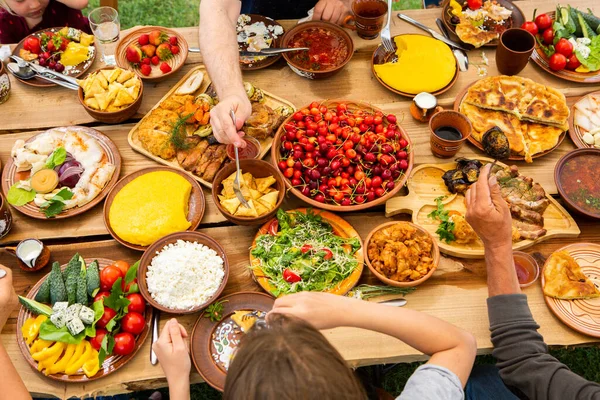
{"x": 425, "y": 184}
{"x": 270, "y": 100}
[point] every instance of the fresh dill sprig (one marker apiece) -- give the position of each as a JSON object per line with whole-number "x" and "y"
{"x": 178, "y": 133}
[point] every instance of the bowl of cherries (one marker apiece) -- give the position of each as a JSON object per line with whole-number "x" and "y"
{"x": 342, "y": 155}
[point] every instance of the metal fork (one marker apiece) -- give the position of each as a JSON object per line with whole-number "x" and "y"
{"x": 386, "y": 36}
{"x": 236, "y": 181}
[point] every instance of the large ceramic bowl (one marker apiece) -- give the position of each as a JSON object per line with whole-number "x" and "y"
{"x": 560, "y": 185}
{"x": 352, "y": 105}
{"x": 114, "y": 117}
{"x": 315, "y": 74}
{"x": 435, "y": 254}
{"x": 258, "y": 169}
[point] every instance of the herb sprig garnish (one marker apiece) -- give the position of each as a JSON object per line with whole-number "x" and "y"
{"x": 446, "y": 226}
{"x": 179, "y": 134}
{"x": 215, "y": 311}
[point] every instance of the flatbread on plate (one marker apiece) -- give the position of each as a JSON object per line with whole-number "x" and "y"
{"x": 565, "y": 280}
{"x": 471, "y": 34}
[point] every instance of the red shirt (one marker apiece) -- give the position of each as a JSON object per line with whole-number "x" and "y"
{"x": 13, "y": 28}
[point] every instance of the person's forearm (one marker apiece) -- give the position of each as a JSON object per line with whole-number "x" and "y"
{"x": 180, "y": 389}
{"x": 501, "y": 274}
{"x": 218, "y": 45}
{"x": 11, "y": 385}
{"x": 76, "y": 4}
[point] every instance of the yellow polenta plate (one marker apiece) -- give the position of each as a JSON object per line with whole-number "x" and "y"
{"x": 151, "y": 206}
{"x": 424, "y": 65}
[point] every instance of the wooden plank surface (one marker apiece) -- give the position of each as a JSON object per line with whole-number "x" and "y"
{"x": 456, "y": 293}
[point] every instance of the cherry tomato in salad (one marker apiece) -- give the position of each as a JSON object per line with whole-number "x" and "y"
{"x": 108, "y": 276}
{"x": 573, "y": 63}
{"x": 474, "y": 4}
{"x": 530, "y": 27}
{"x": 122, "y": 265}
{"x": 548, "y": 36}
{"x": 543, "y": 21}
{"x": 273, "y": 227}
{"x": 557, "y": 62}
{"x": 133, "y": 322}
{"x": 290, "y": 276}
{"x": 124, "y": 343}
{"x": 306, "y": 248}
{"x": 109, "y": 314}
{"x": 564, "y": 47}
{"x": 96, "y": 341}
{"x": 101, "y": 296}
{"x": 136, "y": 303}
{"x": 328, "y": 254}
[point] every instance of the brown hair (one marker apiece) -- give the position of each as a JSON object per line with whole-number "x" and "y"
{"x": 289, "y": 360}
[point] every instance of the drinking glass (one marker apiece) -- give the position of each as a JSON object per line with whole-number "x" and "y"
{"x": 105, "y": 25}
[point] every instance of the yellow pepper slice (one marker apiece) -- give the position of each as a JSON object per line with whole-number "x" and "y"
{"x": 456, "y": 8}
{"x": 48, "y": 352}
{"x": 92, "y": 366}
{"x": 45, "y": 363}
{"x": 40, "y": 344}
{"x": 61, "y": 365}
{"x": 31, "y": 328}
{"x": 77, "y": 363}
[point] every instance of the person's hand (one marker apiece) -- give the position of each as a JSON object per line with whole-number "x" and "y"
{"x": 172, "y": 351}
{"x": 333, "y": 11}
{"x": 321, "y": 310}
{"x": 487, "y": 211}
{"x": 221, "y": 122}
{"x": 8, "y": 297}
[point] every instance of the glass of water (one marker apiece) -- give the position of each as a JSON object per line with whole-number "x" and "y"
{"x": 105, "y": 25}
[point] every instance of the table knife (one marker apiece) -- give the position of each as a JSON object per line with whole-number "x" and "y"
{"x": 433, "y": 33}
{"x": 154, "y": 326}
{"x": 271, "y": 51}
{"x": 394, "y": 302}
{"x": 45, "y": 71}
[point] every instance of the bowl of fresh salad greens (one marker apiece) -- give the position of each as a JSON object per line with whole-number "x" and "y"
{"x": 306, "y": 250}
{"x": 568, "y": 43}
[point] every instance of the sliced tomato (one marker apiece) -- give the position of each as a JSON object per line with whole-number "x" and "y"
{"x": 290, "y": 276}
{"x": 306, "y": 248}
{"x": 273, "y": 227}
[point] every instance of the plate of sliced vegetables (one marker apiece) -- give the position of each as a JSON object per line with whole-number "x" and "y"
{"x": 83, "y": 320}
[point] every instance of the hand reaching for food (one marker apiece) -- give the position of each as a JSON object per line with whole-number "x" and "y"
{"x": 222, "y": 124}
{"x": 8, "y": 297}
{"x": 487, "y": 211}
{"x": 333, "y": 11}
{"x": 172, "y": 351}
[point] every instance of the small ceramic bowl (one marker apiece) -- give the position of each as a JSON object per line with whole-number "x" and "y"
{"x": 114, "y": 117}
{"x": 435, "y": 254}
{"x": 258, "y": 169}
{"x": 316, "y": 74}
{"x": 252, "y": 144}
{"x": 559, "y": 184}
{"x": 530, "y": 264}
{"x": 448, "y": 148}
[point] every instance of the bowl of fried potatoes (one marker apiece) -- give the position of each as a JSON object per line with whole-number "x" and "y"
{"x": 401, "y": 253}
{"x": 261, "y": 185}
{"x": 111, "y": 94}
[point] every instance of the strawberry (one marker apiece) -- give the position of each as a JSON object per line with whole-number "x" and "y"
{"x": 163, "y": 51}
{"x": 173, "y": 40}
{"x": 157, "y": 37}
{"x": 50, "y": 46}
{"x": 133, "y": 54}
{"x": 145, "y": 69}
{"x": 155, "y": 60}
{"x": 143, "y": 39}
{"x": 146, "y": 61}
{"x": 165, "y": 68}
{"x": 149, "y": 49}
{"x": 175, "y": 50}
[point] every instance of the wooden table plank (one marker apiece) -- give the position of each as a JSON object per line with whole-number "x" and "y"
{"x": 455, "y": 293}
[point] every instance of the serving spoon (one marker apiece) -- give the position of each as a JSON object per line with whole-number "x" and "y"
{"x": 27, "y": 73}
{"x": 461, "y": 55}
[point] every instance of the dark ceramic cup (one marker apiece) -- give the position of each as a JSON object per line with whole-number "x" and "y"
{"x": 514, "y": 49}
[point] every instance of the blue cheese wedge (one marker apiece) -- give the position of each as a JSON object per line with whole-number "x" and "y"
{"x": 86, "y": 315}
{"x": 73, "y": 311}
{"x": 58, "y": 319}
{"x": 60, "y": 305}
{"x": 75, "y": 326}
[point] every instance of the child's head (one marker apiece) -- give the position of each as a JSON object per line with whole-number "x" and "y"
{"x": 289, "y": 360}
{"x": 25, "y": 8}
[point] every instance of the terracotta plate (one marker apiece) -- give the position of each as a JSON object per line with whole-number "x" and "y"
{"x": 77, "y": 71}
{"x": 215, "y": 342}
{"x": 11, "y": 176}
{"x": 581, "y": 315}
{"x": 540, "y": 59}
{"x": 195, "y": 208}
{"x": 380, "y": 56}
{"x": 458, "y": 101}
{"x": 515, "y": 21}
{"x": 175, "y": 62}
{"x": 340, "y": 228}
{"x": 111, "y": 363}
{"x": 252, "y": 65}
{"x": 157, "y": 246}
{"x": 574, "y": 131}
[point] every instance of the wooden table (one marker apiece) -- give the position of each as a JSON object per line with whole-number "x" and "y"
{"x": 456, "y": 292}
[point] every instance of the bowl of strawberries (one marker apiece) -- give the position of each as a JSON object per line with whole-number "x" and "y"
{"x": 153, "y": 52}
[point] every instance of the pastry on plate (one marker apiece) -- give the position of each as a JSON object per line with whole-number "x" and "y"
{"x": 565, "y": 280}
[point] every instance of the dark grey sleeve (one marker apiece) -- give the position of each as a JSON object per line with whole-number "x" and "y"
{"x": 522, "y": 356}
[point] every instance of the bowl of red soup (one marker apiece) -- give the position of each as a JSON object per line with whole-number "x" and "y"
{"x": 576, "y": 176}
{"x": 330, "y": 49}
